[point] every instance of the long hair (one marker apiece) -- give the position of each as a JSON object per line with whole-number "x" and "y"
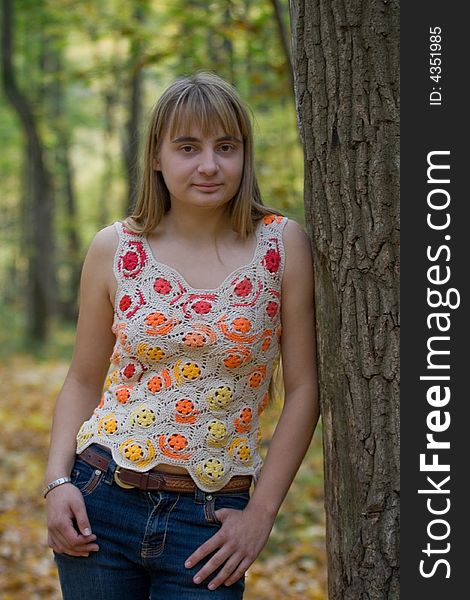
{"x": 208, "y": 102}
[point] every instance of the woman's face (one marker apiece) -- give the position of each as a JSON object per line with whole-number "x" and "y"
{"x": 200, "y": 170}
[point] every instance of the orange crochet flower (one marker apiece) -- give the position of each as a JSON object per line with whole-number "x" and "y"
{"x": 176, "y": 444}
{"x": 159, "y": 324}
{"x": 241, "y": 324}
{"x": 255, "y": 379}
{"x": 177, "y": 441}
{"x": 184, "y": 406}
{"x": 155, "y": 319}
{"x": 194, "y": 339}
{"x": 263, "y": 404}
{"x": 243, "y": 423}
{"x": 185, "y": 412}
{"x": 266, "y": 343}
{"x": 232, "y": 361}
{"x": 123, "y": 393}
{"x": 268, "y": 219}
{"x": 155, "y": 384}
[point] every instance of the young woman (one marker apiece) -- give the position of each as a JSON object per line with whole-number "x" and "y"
{"x": 192, "y": 299}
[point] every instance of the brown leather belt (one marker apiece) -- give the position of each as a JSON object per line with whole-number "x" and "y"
{"x": 152, "y": 480}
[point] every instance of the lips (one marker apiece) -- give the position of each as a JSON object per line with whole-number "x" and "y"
{"x": 207, "y": 187}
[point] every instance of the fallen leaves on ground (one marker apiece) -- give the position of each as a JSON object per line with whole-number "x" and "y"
{"x": 292, "y": 566}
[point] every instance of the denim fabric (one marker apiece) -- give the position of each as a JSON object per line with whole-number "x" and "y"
{"x": 144, "y": 540}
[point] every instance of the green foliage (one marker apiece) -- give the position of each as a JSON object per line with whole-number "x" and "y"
{"x": 74, "y": 62}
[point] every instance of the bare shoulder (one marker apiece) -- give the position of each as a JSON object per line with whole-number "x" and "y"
{"x": 104, "y": 243}
{"x": 98, "y": 265}
{"x": 299, "y": 259}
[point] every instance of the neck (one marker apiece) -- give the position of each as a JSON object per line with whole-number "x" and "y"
{"x": 197, "y": 226}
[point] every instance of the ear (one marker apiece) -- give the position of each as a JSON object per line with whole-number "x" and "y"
{"x": 156, "y": 164}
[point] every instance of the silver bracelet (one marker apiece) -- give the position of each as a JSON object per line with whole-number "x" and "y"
{"x": 53, "y": 484}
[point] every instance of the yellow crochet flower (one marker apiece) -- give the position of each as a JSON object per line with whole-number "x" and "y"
{"x": 244, "y": 453}
{"x": 210, "y": 471}
{"x": 136, "y": 452}
{"x": 143, "y": 416}
{"x": 239, "y": 449}
{"x": 147, "y": 352}
{"x": 220, "y": 398}
{"x": 108, "y": 423}
{"x": 191, "y": 371}
{"x": 217, "y": 433}
{"x": 83, "y": 436}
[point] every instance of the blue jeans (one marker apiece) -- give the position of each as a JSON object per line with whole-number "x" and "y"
{"x": 144, "y": 540}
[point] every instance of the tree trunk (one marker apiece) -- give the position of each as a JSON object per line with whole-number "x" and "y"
{"x": 132, "y": 141}
{"x": 284, "y": 39}
{"x": 346, "y": 64}
{"x": 65, "y": 187}
{"x": 39, "y": 247}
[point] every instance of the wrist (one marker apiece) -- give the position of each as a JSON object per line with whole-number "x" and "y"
{"x": 263, "y": 510}
{"x": 55, "y": 483}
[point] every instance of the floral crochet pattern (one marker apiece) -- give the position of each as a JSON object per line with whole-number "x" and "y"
{"x": 190, "y": 369}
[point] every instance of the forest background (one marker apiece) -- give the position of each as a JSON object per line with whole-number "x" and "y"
{"x": 79, "y": 81}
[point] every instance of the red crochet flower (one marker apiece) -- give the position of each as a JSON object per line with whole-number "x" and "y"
{"x": 271, "y": 309}
{"x": 272, "y": 259}
{"x": 125, "y": 303}
{"x": 162, "y": 286}
{"x": 202, "y": 307}
{"x": 132, "y": 262}
{"x": 244, "y": 287}
{"x": 129, "y": 370}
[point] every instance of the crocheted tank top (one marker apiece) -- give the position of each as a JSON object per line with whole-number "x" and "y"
{"x": 191, "y": 368}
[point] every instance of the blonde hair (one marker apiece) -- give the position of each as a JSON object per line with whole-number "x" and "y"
{"x": 206, "y": 100}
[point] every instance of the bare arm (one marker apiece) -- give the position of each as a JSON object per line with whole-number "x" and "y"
{"x": 82, "y": 388}
{"x": 243, "y": 534}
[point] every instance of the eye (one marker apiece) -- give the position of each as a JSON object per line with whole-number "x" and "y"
{"x": 226, "y": 148}
{"x": 187, "y": 149}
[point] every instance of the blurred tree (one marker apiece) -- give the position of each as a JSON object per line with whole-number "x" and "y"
{"x": 38, "y": 206}
{"x": 284, "y": 37}
{"x": 64, "y": 181}
{"x": 132, "y": 139}
{"x": 346, "y": 62}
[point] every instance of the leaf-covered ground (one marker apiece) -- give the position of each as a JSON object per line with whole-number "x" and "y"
{"x": 292, "y": 566}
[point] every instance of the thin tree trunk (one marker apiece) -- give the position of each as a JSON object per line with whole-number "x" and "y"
{"x": 39, "y": 247}
{"x": 284, "y": 38}
{"x": 67, "y": 304}
{"x": 346, "y": 63}
{"x": 110, "y": 98}
{"x": 132, "y": 141}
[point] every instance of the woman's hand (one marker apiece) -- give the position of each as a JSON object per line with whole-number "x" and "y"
{"x": 67, "y": 522}
{"x": 237, "y": 544}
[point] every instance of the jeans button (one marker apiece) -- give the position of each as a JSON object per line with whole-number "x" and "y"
{"x": 209, "y": 498}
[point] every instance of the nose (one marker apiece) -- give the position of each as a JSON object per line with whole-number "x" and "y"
{"x": 208, "y": 164}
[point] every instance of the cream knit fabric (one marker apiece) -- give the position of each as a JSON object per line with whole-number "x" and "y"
{"x": 190, "y": 368}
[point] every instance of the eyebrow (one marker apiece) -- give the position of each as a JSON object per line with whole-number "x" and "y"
{"x": 188, "y": 138}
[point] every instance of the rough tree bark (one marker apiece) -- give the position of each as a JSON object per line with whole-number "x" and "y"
{"x": 346, "y": 63}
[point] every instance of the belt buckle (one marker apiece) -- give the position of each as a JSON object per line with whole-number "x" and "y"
{"x": 125, "y": 486}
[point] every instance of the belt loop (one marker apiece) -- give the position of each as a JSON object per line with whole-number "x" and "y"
{"x": 199, "y": 496}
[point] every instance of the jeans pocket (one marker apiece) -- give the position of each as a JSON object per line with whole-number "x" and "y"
{"x": 214, "y": 502}
{"x": 85, "y": 477}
